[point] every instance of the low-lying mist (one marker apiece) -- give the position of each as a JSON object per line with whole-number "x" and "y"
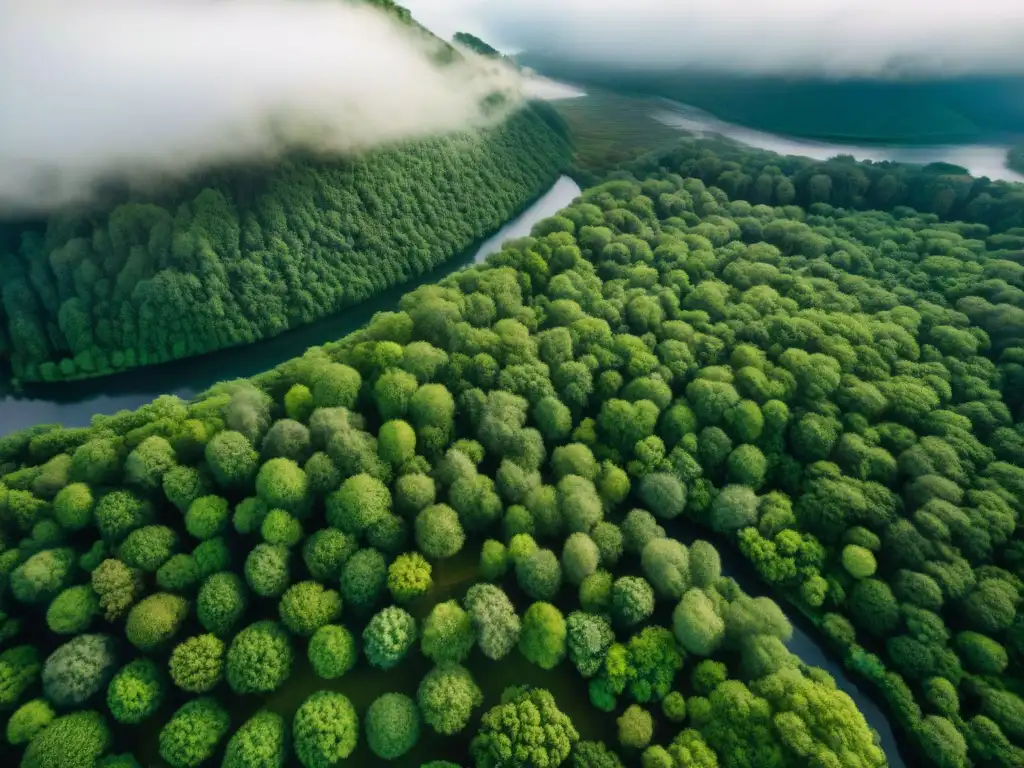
{"x": 830, "y": 38}
{"x": 141, "y": 91}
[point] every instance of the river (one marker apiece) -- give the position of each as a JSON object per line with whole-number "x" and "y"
{"x": 979, "y": 159}
{"x": 73, "y": 404}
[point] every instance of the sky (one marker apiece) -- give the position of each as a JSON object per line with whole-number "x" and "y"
{"x": 835, "y": 38}
{"x": 141, "y": 90}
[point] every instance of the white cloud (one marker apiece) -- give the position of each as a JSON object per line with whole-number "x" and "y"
{"x": 820, "y": 37}
{"x": 136, "y": 90}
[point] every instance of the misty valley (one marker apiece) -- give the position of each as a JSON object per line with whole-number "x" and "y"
{"x": 407, "y": 386}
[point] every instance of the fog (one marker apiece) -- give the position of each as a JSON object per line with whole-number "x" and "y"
{"x": 136, "y": 91}
{"x": 834, "y": 38}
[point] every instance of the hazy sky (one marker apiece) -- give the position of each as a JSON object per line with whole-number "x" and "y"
{"x": 833, "y": 37}
{"x": 138, "y": 89}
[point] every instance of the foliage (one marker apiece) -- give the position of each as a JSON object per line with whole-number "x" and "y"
{"x": 76, "y": 740}
{"x": 332, "y": 651}
{"x": 388, "y": 636}
{"x": 307, "y": 606}
{"x": 192, "y": 734}
{"x": 447, "y": 696}
{"x": 542, "y": 639}
{"x": 79, "y": 669}
{"x": 259, "y": 658}
{"x": 136, "y": 692}
{"x": 526, "y": 729}
{"x": 325, "y": 729}
{"x": 392, "y": 725}
{"x": 197, "y": 664}
{"x": 448, "y": 633}
{"x": 262, "y": 740}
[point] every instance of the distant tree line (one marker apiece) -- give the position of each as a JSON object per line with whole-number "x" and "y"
{"x": 474, "y": 43}
{"x": 255, "y": 253}
{"x": 1015, "y": 159}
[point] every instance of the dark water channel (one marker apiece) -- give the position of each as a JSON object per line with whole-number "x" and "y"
{"x": 74, "y": 403}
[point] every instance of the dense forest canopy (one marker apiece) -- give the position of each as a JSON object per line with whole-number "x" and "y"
{"x": 837, "y": 392}
{"x": 257, "y": 252}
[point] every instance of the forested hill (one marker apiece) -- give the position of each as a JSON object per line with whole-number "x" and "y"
{"x": 257, "y": 253}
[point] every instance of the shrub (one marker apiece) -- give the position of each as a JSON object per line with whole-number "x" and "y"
{"x": 705, "y": 564}
{"x": 542, "y": 639}
{"x": 282, "y": 484}
{"x": 666, "y": 564}
{"x": 207, "y": 517}
{"x": 332, "y": 651}
{"x": 118, "y": 513}
{"x": 396, "y": 442}
{"x": 409, "y": 577}
{"x": 673, "y": 706}
{"x": 539, "y": 574}
{"x": 981, "y": 654}
{"x": 526, "y": 722}
{"x": 663, "y": 494}
{"x": 388, "y": 637}
{"x": 179, "y": 574}
{"x": 116, "y": 585}
{"x": 363, "y": 580}
{"x": 439, "y": 533}
{"x": 249, "y": 515}
{"x": 147, "y": 464}
{"x": 858, "y": 561}
{"x": 77, "y": 740}
{"x": 448, "y": 633}
{"x": 608, "y": 538}
{"x": 232, "y": 459}
{"x": 281, "y": 528}
{"x": 73, "y": 507}
{"x": 42, "y": 576}
{"x": 197, "y": 664}
{"x": 596, "y": 592}
{"x": 696, "y": 624}
{"x": 447, "y": 696}
{"x": 79, "y": 669}
{"x": 136, "y": 692}
{"x": 221, "y": 602}
{"x": 325, "y": 730}
{"x": 287, "y": 439}
{"x": 259, "y": 658}
{"x": 361, "y": 501}
{"x": 413, "y": 493}
{"x": 183, "y": 485}
{"x": 148, "y": 548}
{"x": 588, "y": 638}
{"x": 155, "y": 620}
{"x": 28, "y": 720}
{"x": 326, "y": 551}
{"x": 580, "y": 557}
{"x": 494, "y": 560}
{"x": 212, "y": 556}
{"x": 307, "y": 606}
{"x": 266, "y": 570}
{"x": 261, "y": 742}
{"x": 191, "y": 736}
{"x": 632, "y": 600}
{"x": 636, "y": 727}
{"x": 494, "y": 619}
{"x": 73, "y": 610}
{"x": 638, "y": 528}
{"x": 19, "y": 670}
{"x": 392, "y": 725}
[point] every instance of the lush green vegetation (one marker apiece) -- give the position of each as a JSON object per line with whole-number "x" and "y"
{"x": 1015, "y": 159}
{"x": 248, "y": 255}
{"x": 610, "y": 130}
{"x": 807, "y": 384}
{"x": 891, "y": 110}
{"x": 474, "y": 43}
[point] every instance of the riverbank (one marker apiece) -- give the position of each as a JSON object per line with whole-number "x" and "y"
{"x": 73, "y": 405}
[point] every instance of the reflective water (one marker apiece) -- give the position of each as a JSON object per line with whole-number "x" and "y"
{"x": 979, "y": 159}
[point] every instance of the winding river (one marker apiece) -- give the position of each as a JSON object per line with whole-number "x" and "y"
{"x": 978, "y": 159}
{"x": 74, "y": 405}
